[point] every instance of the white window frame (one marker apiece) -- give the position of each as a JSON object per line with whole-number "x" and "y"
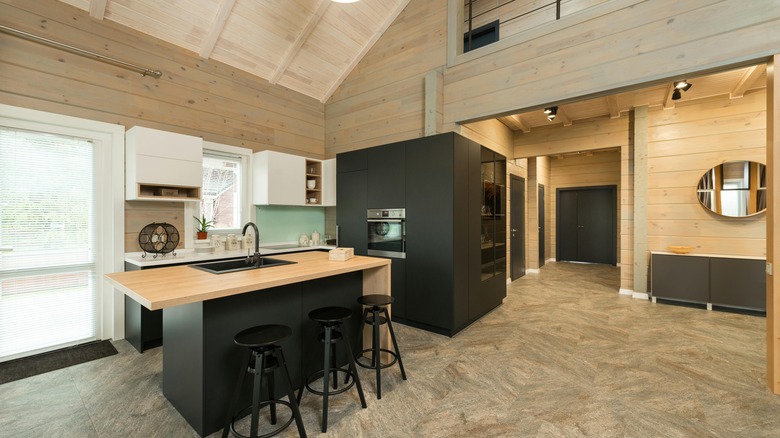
{"x": 109, "y": 140}
{"x": 248, "y": 212}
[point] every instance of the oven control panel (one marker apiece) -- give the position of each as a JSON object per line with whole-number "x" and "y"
{"x": 387, "y": 213}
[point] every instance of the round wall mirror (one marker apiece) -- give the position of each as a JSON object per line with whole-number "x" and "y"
{"x": 734, "y": 189}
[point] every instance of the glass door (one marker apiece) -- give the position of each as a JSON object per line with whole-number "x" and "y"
{"x": 48, "y": 236}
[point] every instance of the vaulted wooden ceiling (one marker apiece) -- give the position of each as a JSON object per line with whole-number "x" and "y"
{"x": 733, "y": 83}
{"x": 309, "y": 46}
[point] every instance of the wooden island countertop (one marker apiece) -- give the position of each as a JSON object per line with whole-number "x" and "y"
{"x": 172, "y": 286}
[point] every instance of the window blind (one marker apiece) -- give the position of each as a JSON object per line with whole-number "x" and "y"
{"x": 48, "y": 232}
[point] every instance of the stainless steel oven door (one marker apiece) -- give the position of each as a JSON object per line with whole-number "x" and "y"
{"x": 387, "y": 238}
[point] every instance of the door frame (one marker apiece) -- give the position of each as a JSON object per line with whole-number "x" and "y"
{"x": 613, "y": 233}
{"x": 513, "y": 225}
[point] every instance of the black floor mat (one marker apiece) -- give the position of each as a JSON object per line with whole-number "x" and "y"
{"x": 53, "y": 360}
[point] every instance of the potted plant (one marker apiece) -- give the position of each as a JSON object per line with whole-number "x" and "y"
{"x": 203, "y": 226}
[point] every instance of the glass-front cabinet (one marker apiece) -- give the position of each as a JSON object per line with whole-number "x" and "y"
{"x": 493, "y": 214}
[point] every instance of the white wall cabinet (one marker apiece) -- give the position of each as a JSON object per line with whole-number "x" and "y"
{"x": 162, "y": 166}
{"x": 282, "y": 179}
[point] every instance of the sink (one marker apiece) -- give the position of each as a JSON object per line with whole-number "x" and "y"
{"x": 225, "y": 266}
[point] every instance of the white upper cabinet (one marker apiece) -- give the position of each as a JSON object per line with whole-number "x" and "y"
{"x": 284, "y": 179}
{"x": 162, "y": 166}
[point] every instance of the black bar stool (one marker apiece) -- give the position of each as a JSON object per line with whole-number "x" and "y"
{"x": 329, "y": 320}
{"x": 263, "y": 359}
{"x": 378, "y": 304}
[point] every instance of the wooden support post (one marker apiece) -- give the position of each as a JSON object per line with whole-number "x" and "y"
{"x": 639, "y": 136}
{"x": 772, "y": 226}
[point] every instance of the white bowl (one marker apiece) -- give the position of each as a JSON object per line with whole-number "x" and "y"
{"x": 311, "y": 183}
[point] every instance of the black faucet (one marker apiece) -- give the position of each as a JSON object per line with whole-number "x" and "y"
{"x": 253, "y": 259}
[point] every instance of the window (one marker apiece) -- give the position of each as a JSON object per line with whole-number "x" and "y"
{"x": 225, "y": 191}
{"x": 48, "y": 233}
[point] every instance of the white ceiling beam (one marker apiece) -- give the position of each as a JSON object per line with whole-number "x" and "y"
{"x": 97, "y": 9}
{"x": 747, "y": 80}
{"x": 295, "y": 47}
{"x": 612, "y": 104}
{"x": 390, "y": 19}
{"x": 217, "y": 26}
{"x": 668, "y": 102}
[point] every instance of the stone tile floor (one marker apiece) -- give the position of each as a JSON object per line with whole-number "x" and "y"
{"x": 564, "y": 356}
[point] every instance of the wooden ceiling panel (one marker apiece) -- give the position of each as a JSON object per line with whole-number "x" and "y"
{"x": 309, "y": 46}
{"x": 733, "y": 83}
{"x": 184, "y": 23}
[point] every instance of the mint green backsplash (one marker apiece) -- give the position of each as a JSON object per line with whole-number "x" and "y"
{"x": 281, "y": 223}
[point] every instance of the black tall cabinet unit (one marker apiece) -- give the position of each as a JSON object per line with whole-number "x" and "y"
{"x": 455, "y": 199}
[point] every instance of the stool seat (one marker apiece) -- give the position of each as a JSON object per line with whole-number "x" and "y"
{"x": 325, "y": 315}
{"x": 262, "y": 335}
{"x": 376, "y": 300}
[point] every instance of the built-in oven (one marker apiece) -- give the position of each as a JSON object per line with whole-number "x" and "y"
{"x": 387, "y": 232}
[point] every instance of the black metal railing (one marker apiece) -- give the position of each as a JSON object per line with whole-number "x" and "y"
{"x": 489, "y": 33}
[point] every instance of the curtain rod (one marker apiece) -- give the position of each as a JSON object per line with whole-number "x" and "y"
{"x": 143, "y": 70}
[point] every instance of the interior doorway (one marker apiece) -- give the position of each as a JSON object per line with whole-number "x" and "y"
{"x": 517, "y": 226}
{"x": 586, "y": 226}
{"x": 540, "y": 209}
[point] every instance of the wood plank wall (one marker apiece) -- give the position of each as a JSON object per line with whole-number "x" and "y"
{"x": 685, "y": 142}
{"x": 383, "y": 99}
{"x": 194, "y": 96}
{"x": 588, "y": 169}
{"x": 631, "y": 42}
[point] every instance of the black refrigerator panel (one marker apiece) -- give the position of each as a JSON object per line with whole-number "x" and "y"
{"x": 429, "y": 232}
{"x": 387, "y": 176}
{"x": 351, "y": 211}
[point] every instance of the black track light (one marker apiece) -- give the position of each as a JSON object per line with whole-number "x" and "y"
{"x": 551, "y": 112}
{"x": 676, "y": 95}
{"x": 682, "y": 85}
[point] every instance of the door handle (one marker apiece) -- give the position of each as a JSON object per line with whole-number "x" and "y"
{"x": 580, "y": 226}
{"x": 514, "y": 230}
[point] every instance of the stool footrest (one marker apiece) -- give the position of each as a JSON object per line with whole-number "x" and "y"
{"x": 246, "y": 411}
{"x": 381, "y": 365}
{"x": 331, "y": 391}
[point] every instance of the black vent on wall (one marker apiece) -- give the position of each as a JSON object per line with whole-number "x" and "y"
{"x": 480, "y": 37}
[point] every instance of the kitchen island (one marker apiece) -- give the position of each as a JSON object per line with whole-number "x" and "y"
{"x": 203, "y": 311}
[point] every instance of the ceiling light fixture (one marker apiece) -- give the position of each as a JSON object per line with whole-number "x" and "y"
{"x": 551, "y": 112}
{"x": 683, "y": 85}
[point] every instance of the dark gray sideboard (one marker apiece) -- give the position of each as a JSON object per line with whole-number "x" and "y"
{"x": 733, "y": 282}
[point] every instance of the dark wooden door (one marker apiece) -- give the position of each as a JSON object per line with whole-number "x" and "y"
{"x": 517, "y": 227}
{"x": 541, "y": 225}
{"x": 587, "y": 225}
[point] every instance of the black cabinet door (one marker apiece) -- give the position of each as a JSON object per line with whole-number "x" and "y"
{"x": 352, "y": 161}
{"x": 682, "y": 278}
{"x": 387, "y": 176}
{"x": 398, "y": 287}
{"x": 351, "y": 210}
{"x": 429, "y": 232}
{"x": 738, "y": 283}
